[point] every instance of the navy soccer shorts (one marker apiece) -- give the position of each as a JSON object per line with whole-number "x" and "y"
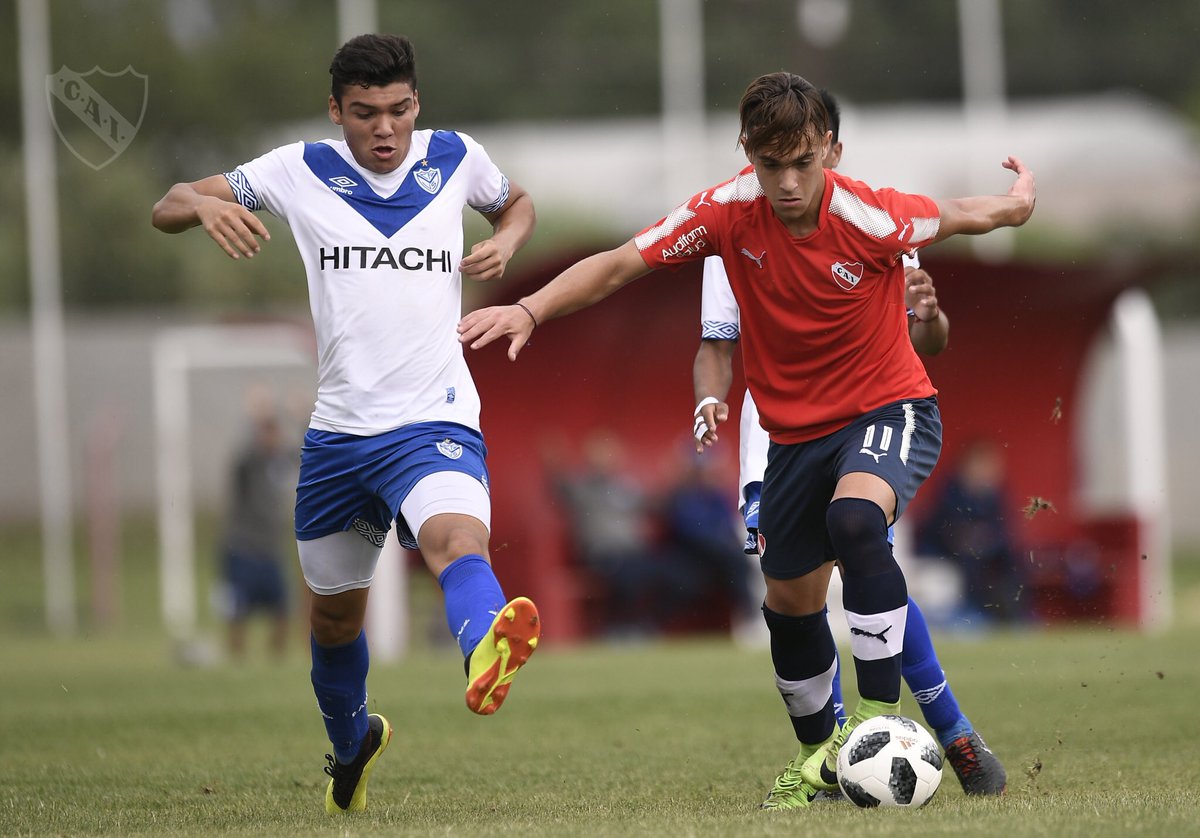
{"x": 361, "y": 481}
{"x": 898, "y": 442}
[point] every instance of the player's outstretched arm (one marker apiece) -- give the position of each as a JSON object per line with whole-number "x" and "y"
{"x": 984, "y": 213}
{"x": 512, "y": 225}
{"x": 712, "y": 376}
{"x": 210, "y": 203}
{"x": 928, "y": 326}
{"x": 579, "y": 286}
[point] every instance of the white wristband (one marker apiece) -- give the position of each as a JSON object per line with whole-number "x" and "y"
{"x": 700, "y": 427}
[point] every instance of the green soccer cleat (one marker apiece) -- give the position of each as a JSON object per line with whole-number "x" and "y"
{"x": 790, "y": 791}
{"x": 979, "y": 771}
{"x": 347, "y": 790}
{"x": 820, "y": 769}
{"x": 505, "y": 648}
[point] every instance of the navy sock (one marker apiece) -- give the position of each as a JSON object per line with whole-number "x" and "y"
{"x": 924, "y": 676}
{"x": 873, "y": 592}
{"x": 339, "y": 679}
{"x": 473, "y": 599}
{"x": 805, "y": 660}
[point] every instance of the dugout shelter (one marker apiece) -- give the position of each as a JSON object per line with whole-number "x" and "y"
{"x": 1021, "y": 337}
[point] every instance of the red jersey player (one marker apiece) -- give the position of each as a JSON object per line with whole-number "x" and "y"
{"x": 814, "y": 260}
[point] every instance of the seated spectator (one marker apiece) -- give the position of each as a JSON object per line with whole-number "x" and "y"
{"x": 703, "y": 540}
{"x": 612, "y": 531}
{"x": 968, "y": 525}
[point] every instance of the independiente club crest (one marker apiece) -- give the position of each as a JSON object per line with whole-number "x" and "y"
{"x": 97, "y": 113}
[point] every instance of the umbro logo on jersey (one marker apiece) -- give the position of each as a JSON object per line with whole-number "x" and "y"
{"x": 342, "y": 184}
{"x": 751, "y": 516}
{"x": 449, "y": 448}
{"x": 847, "y": 274}
{"x": 428, "y": 179}
{"x": 758, "y": 260}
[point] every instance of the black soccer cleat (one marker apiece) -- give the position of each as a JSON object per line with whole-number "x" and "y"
{"x": 979, "y": 771}
{"x": 347, "y": 791}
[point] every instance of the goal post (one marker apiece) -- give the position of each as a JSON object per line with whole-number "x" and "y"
{"x": 178, "y": 353}
{"x": 1138, "y": 337}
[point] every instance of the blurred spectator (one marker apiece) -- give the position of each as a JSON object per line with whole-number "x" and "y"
{"x": 704, "y": 542}
{"x": 254, "y": 544}
{"x": 968, "y": 525}
{"x": 612, "y": 530}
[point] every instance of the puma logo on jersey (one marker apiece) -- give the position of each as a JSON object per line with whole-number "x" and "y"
{"x": 702, "y": 202}
{"x": 758, "y": 260}
{"x": 904, "y": 229}
{"x": 881, "y": 636}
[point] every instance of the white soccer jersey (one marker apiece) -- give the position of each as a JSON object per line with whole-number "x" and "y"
{"x": 720, "y": 319}
{"x": 381, "y": 253}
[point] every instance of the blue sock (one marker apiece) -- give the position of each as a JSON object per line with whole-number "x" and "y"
{"x": 839, "y": 703}
{"x": 923, "y": 674}
{"x": 339, "y": 679}
{"x": 473, "y": 599}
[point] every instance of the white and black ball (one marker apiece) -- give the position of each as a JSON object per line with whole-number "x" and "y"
{"x": 889, "y": 761}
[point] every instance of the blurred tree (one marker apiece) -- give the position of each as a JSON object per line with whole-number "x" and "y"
{"x": 227, "y": 78}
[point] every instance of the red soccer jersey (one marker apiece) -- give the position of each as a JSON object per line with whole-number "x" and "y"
{"x": 824, "y": 328}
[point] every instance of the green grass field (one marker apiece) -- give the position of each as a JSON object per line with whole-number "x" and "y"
{"x": 104, "y": 735}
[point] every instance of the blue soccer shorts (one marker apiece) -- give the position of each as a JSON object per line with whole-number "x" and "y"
{"x": 362, "y": 482}
{"x": 899, "y": 443}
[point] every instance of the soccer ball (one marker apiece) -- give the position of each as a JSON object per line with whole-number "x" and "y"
{"x": 889, "y": 761}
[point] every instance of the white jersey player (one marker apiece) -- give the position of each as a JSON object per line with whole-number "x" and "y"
{"x": 394, "y": 434}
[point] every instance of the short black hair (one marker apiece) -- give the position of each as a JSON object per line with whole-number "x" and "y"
{"x": 373, "y": 61}
{"x": 834, "y": 111}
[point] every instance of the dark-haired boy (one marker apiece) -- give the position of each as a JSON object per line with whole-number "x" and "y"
{"x": 814, "y": 261}
{"x": 394, "y": 435}
{"x": 978, "y": 770}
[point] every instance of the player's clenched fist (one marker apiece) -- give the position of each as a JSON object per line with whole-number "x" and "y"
{"x": 486, "y": 261}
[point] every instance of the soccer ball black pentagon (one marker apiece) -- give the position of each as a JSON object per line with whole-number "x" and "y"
{"x": 889, "y": 761}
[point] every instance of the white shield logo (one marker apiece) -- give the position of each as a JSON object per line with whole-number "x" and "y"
{"x": 450, "y": 448}
{"x": 107, "y": 110}
{"x": 429, "y": 179}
